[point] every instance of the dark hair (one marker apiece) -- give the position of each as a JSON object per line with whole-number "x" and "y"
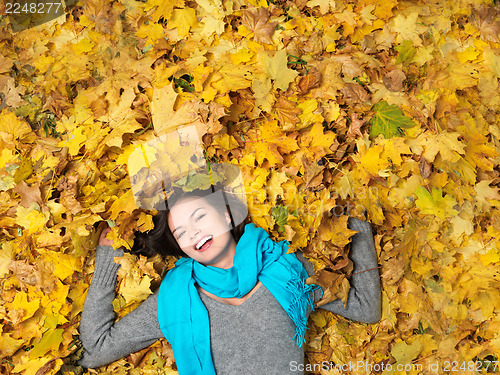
{"x": 160, "y": 239}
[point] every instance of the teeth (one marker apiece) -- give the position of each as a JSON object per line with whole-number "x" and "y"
{"x": 202, "y": 242}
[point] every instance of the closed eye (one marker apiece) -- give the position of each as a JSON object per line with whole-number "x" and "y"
{"x": 199, "y": 217}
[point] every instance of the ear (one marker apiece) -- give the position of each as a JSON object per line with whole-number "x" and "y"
{"x": 228, "y": 218}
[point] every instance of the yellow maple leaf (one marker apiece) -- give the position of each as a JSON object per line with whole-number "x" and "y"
{"x": 226, "y": 141}
{"x": 115, "y": 137}
{"x": 242, "y": 56}
{"x": 373, "y": 161}
{"x": 461, "y": 227}
{"x": 162, "y": 108}
{"x": 64, "y": 265}
{"x": 317, "y": 140}
{"x": 200, "y": 75}
{"x": 393, "y": 148}
{"x": 407, "y": 28}
{"x": 274, "y": 185}
{"x": 383, "y": 10}
{"x": 163, "y": 72}
{"x": 264, "y": 98}
{"x": 83, "y": 46}
{"x": 300, "y": 233}
{"x": 124, "y": 203}
{"x": 74, "y": 140}
{"x": 11, "y": 128}
{"x": 163, "y": 8}
{"x": 461, "y": 76}
{"x": 271, "y": 137}
{"x": 310, "y": 113}
{"x": 435, "y": 204}
{"x": 406, "y": 353}
{"x": 336, "y": 231}
{"x": 134, "y": 289}
{"x": 6, "y": 156}
{"x": 183, "y": 19}
{"x": 6, "y": 255}
{"x": 21, "y": 303}
{"x": 493, "y": 61}
{"x": 468, "y": 54}
{"x": 446, "y": 144}
{"x": 9, "y": 345}
{"x": 233, "y": 77}
{"x": 29, "y": 366}
{"x": 478, "y": 153}
{"x": 277, "y": 69}
{"x": 486, "y": 196}
{"x": 31, "y": 219}
{"x": 325, "y": 6}
{"x": 43, "y": 63}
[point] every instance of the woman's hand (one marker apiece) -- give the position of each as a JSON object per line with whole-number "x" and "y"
{"x": 102, "y": 238}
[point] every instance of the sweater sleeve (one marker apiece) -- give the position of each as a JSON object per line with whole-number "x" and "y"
{"x": 364, "y": 302}
{"x": 103, "y": 339}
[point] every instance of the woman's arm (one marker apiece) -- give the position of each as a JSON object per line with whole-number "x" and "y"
{"x": 105, "y": 341}
{"x": 364, "y": 302}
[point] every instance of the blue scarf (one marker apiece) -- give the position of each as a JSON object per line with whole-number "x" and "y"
{"x": 183, "y": 317}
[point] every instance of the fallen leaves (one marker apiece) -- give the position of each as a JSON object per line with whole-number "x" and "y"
{"x": 380, "y": 110}
{"x": 258, "y": 22}
{"x": 389, "y": 121}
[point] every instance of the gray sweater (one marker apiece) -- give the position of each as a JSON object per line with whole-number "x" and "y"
{"x": 252, "y": 338}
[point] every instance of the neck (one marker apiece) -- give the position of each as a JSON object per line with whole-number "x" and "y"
{"x": 226, "y": 257}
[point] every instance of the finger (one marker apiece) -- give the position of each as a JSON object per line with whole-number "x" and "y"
{"x": 102, "y": 225}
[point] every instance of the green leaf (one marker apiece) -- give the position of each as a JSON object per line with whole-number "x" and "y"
{"x": 198, "y": 180}
{"x": 388, "y": 120}
{"x": 25, "y": 169}
{"x": 280, "y": 216}
{"x": 406, "y": 52}
{"x": 50, "y": 341}
{"x": 435, "y": 204}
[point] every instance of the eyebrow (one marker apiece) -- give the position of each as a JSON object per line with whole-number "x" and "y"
{"x": 195, "y": 211}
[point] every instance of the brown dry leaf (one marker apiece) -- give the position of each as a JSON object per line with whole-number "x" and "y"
{"x": 258, "y": 22}
{"x": 5, "y": 64}
{"x": 332, "y": 284}
{"x": 350, "y": 68}
{"x": 394, "y": 271}
{"x": 394, "y": 80}
{"x": 68, "y": 188}
{"x": 100, "y": 12}
{"x": 486, "y": 19}
{"x": 313, "y": 176}
{"x": 309, "y": 81}
{"x": 355, "y": 126}
{"x": 28, "y": 194}
{"x": 287, "y": 112}
{"x": 425, "y": 168}
{"x": 354, "y": 93}
{"x": 56, "y": 103}
{"x": 24, "y": 272}
{"x": 211, "y": 115}
{"x": 10, "y": 95}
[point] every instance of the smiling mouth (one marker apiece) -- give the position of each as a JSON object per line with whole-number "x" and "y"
{"x": 204, "y": 243}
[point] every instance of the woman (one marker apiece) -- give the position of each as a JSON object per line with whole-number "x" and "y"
{"x": 230, "y": 307}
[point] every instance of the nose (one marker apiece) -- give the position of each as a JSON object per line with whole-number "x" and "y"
{"x": 193, "y": 232}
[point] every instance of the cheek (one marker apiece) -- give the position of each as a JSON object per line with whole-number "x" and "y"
{"x": 182, "y": 242}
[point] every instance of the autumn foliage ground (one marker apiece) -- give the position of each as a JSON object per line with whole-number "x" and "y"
{"x": 383, "y": 110}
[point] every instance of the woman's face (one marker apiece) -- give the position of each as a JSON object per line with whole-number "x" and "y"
{"x": 202, "y": 232}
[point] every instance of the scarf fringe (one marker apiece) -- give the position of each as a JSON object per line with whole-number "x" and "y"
{"x": 297, "y": 310}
